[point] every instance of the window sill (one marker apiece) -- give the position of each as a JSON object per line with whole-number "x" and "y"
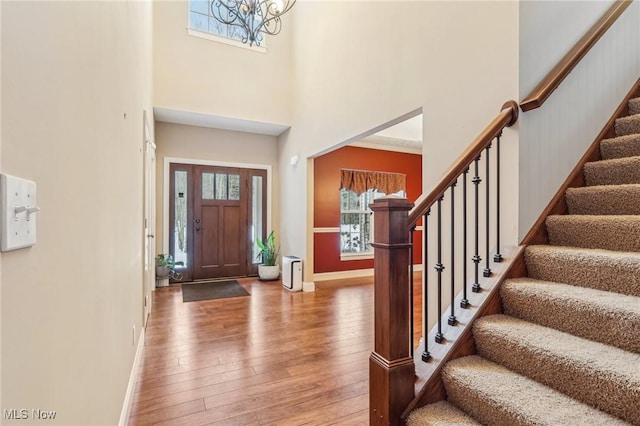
{"x": 355, "y": 256}
{"x": 224, "y": 40}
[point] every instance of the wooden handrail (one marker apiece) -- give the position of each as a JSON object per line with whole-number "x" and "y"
{"x": 507, "y": 118}
{"x": 552, "y": 80}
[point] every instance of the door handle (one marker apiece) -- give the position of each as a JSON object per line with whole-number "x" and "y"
{"x": 151, "y": 236}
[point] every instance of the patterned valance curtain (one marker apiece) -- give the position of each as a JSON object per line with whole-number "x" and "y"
{"x": 360, "y": 181}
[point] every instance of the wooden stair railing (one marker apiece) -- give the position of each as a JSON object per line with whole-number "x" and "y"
{"x": 392, "y": 368}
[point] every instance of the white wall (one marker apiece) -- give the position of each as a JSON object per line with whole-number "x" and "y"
{"x": 358, "y": 65}
{"x": 213, "y": 145}
{"x": 198, "y": 75}
{"x": 70, "y": 73}
{"x": 555, "y": 136}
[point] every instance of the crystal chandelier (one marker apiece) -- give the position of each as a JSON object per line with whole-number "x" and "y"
{"x": 253, "y": 17}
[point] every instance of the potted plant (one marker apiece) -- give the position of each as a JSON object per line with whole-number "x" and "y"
{"x": 268, "y": 269}
{"x": 166, "y": 267}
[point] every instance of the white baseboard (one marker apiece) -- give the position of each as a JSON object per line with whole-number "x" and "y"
{"x": 128, "y": 397}
{"x": 354, "y": 273}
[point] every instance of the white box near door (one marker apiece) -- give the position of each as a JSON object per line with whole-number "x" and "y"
{"x": 292, "y": 273}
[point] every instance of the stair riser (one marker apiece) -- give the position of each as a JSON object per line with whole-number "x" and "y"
{"x": 484, "y": 409}
{"x": 620, "y": 233}
{"x": 498, "y": 396}
{"x": 613, "y": 172}
{"x": 442, "y": 414}
{"x": 608, "y": 393}
{"x": 612, "y": 328}
{"x": 605, "y": 200}
{"x": 615, "y": 274}
{"x": 634, "y": 106}
{"x": 627, "y": 125}
{"x": 620, "y": 148}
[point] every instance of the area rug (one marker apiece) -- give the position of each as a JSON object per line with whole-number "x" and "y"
{"x": 212, "y": 290}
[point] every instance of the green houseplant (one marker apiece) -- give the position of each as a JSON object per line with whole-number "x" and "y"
{"x": 166, "y": 267}
{"x": 269, "y": 251}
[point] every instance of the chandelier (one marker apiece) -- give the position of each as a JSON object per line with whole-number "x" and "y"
{"x": 253, "y": 17}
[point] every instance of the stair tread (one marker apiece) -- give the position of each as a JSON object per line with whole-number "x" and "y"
{"x": 439, "y": 414}
{"x": 594, "y": 373}
{"x": 604, "y": 200}
{"x": 499, "y": 396}
{"x": 574, "y": 310}
{"x": 628, "y": 125}
{"x": 610, "y": 232}
{"x": 616, "y": 171}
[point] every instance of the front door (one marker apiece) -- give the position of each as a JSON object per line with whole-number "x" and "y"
{"x": 217, "y": 214}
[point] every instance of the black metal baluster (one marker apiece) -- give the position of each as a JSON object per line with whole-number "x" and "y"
{"x": 464, "y": 303}
{"x": 411, "y": 313}
{"x": 452, "y": 317}
{"x": 439, "y": 267}
{"x": 425, "y": 261}
{"x": 476, "y": 257}
{"x": 487, "y": 269}
{"x": 498, "y": 257}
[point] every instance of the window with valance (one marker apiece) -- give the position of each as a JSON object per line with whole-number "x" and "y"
{"x": 358, "y": 189}
{"x": 360, "y": 181}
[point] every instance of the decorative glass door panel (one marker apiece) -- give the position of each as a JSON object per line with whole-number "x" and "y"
{"x": 217, "y": 213}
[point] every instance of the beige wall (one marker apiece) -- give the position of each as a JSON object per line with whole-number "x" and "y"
{"x": 204, "y": 76}
{"x": 457, "y": 61}
{"x": 70, "y": 303}
{"x": 212, "y": 145}
{"x": 577, "y": 111}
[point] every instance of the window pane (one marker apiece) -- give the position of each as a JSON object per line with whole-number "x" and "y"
{"x": 355, "y": 221}
{"x": 355, "y": 232}
{"x": 200, "y": 6}
{"x": 207, "y": 186}
{"x": 198, "y": 21}
{"x": 180, "y": 230}
{"x": 217, "y": 27}
{"x": 353, "y": 201}
{"x": 256, "y": 216}
{"x": 234, "y": 187}
{"x": 221, "y": 186}
{"x": 201, "y": 19}
{"x": 344, "y": 199}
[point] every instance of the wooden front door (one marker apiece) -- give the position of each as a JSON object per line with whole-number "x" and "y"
{"x": 226, "y": 213}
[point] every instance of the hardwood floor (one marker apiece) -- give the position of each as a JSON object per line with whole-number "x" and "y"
{"x": 272, "y": 358}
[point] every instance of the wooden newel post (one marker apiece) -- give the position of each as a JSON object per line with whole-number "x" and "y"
{"x": 391, "y": 368}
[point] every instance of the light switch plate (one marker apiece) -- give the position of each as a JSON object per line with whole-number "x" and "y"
{"x": 19, "y": 212}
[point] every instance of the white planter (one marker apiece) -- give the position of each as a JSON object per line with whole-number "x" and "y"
{"x": 268, "y": 273}
{"x": 162, "y": 272}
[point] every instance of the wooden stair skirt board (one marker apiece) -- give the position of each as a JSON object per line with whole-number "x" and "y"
{"x": 558, "y": 343}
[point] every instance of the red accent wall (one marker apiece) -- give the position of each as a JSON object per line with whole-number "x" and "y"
{"x": 327, "y": 198}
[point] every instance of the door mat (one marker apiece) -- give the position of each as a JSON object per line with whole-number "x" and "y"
{"x": 212, "y": 290}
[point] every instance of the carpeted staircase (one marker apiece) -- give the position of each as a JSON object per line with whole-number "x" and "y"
{"x": 566, "y": 351}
